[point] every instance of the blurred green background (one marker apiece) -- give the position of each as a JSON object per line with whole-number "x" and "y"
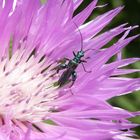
{"x": 131, "y": 15}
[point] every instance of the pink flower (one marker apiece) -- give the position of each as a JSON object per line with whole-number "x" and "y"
{"x": 33, "y": 39}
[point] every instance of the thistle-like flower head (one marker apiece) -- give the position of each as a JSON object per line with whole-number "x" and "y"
{"x": 39, "y": 46}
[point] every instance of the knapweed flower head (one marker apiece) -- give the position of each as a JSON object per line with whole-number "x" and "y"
{"x": 35, "y": 40}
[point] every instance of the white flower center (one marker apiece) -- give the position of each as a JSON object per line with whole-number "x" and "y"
{"x": 25, "y": 92}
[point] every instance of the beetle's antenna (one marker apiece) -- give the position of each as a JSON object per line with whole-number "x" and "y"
{"x": 82, "y": 45}
{"x": 62, "y": 2}
{"x": 85, "y": 68}
{"x": 91, "y": 50}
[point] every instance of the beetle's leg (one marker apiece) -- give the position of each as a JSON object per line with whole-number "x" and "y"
{"x": 83, "y": 61}
{"x": 63, "y": 64}
{"x": 61, "y": 67}
{"x": 74, "y": 53}
{"x": 64, "y": 60}
{"x": 74, "y": 77}
{"x": 87, "y": 57}
{"x": 85, "y": 69}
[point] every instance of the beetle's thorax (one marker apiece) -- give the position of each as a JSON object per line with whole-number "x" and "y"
{"x": 78, "y": 56}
